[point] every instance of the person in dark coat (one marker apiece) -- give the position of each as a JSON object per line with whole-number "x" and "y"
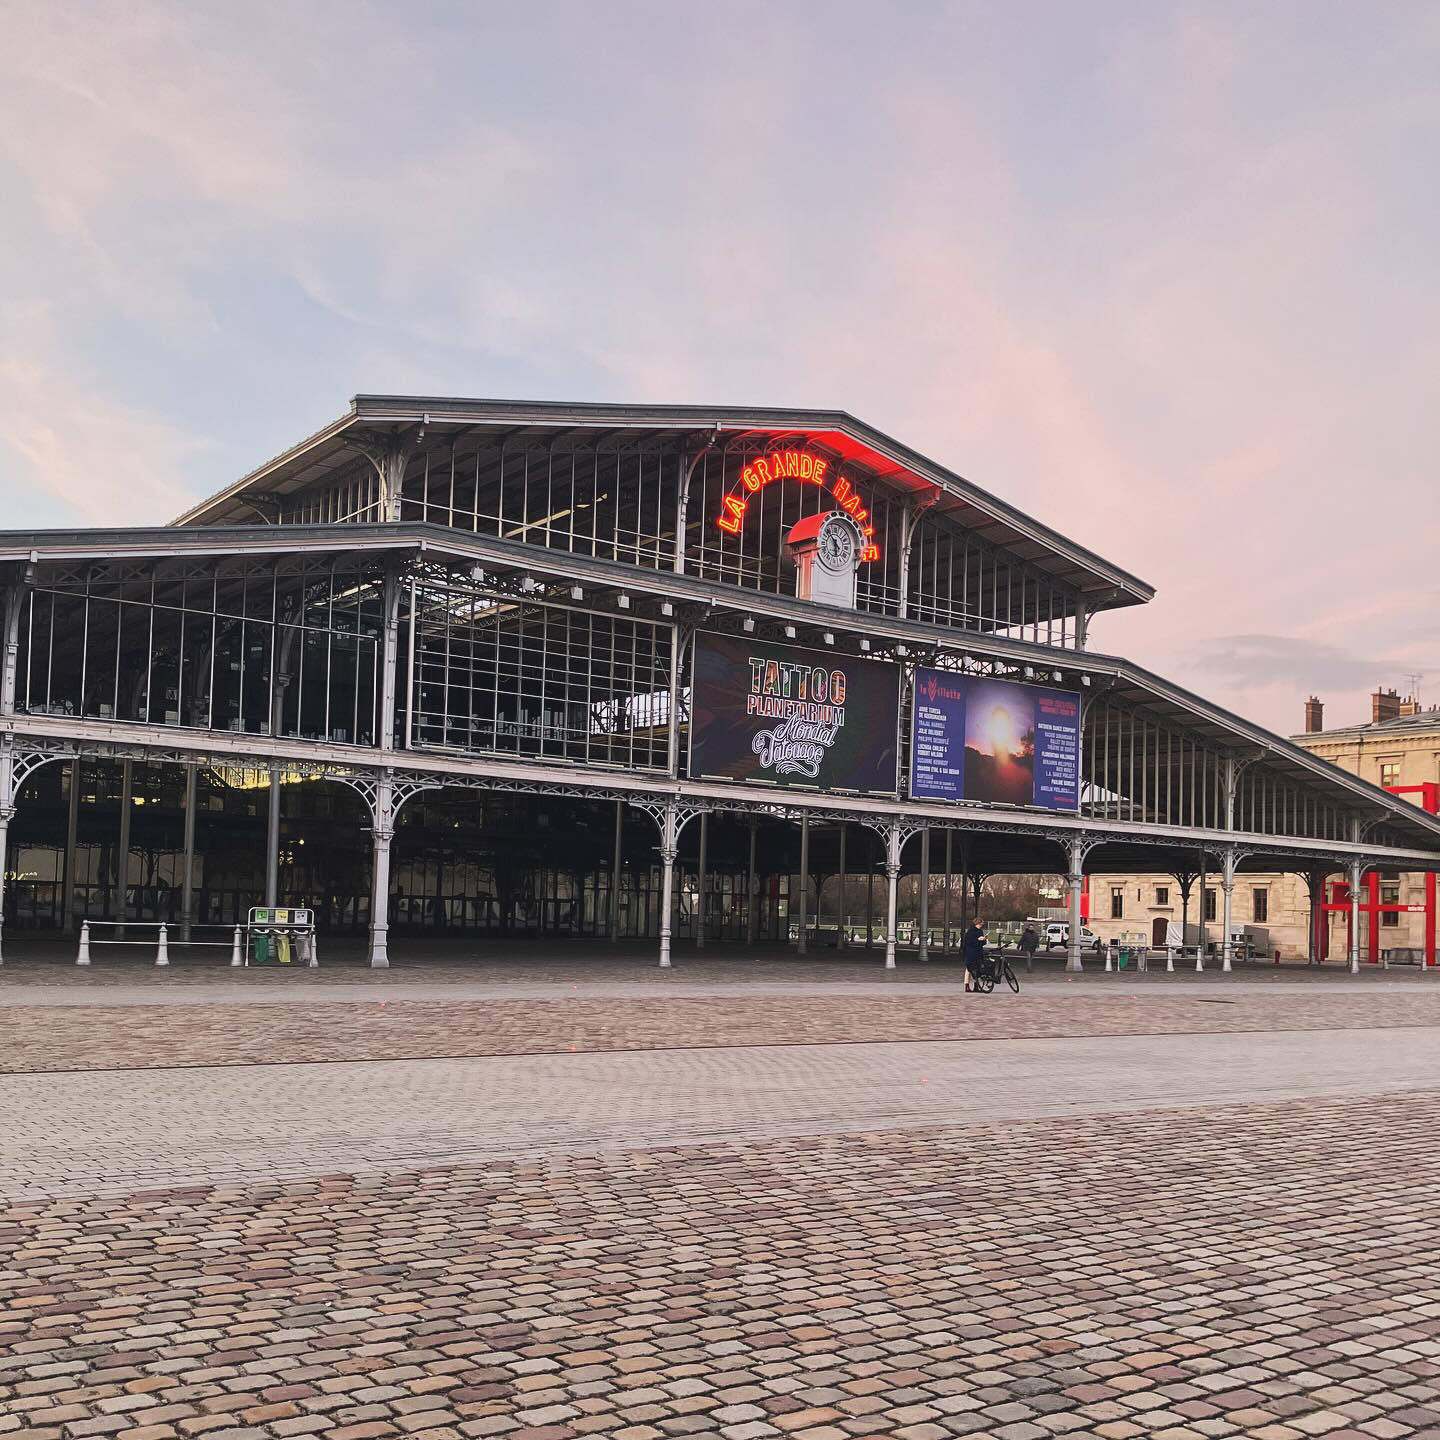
{"x": 1029, "y": 944}
{"x": 972, "y": 952}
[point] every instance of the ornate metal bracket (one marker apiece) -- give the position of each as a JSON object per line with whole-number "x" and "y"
{"x": 368, "y": 789}
{"x": 17, "y": 766}
{"x": 672, "y": 817}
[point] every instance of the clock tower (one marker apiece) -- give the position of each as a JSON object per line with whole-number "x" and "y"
{"x": 826, "y": 549}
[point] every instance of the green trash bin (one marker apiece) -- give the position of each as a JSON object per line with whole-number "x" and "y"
{"x": 260, "y": 949}
{"x": 1123, "y": 957}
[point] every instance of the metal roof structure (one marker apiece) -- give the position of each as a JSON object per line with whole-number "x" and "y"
{"x": 1120, "y": 679}
{"x": 313, "y": 460}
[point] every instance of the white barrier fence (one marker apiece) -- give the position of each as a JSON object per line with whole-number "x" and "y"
{"x": 156, "y": 937}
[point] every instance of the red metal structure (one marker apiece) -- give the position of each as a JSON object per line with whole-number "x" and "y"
{"x": 1338, "y": 896}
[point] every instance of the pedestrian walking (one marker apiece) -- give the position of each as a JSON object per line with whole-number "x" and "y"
{"x": 1029, "y": 944}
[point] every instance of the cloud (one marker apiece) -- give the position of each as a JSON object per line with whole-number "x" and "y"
{"x": 1311, "y": 666}
{"x": 1162, "y": 276}
{"x": 104, "y": 463}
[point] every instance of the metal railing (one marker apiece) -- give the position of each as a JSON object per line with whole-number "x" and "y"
{"x": 156, "y": 936}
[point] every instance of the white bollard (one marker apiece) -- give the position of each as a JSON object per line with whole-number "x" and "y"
{"x": 1108, "y": 966}
{"x": 312, "y": 959}
{"x": 162, "y": 950}
{"x": 82, "y": 956}
{"x": 235, "y": 955}
{"x": 1200, "y": 960}
{"x": 1169, "y": 959}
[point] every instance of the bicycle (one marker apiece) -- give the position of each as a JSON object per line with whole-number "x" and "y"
{"x": 996, "y": 967}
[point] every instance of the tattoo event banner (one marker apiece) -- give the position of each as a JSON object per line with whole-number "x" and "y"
{"x": 789, "y": 715}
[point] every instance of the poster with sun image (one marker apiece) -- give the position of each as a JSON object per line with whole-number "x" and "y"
{"x": 994, "y": 741}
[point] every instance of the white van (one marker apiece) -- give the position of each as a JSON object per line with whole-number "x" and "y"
{"x": 1057, "y": 937}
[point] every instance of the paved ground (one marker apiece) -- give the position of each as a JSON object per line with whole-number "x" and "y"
{"x": 1201, "y": 1210}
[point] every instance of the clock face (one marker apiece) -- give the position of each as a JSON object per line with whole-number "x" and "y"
{"x": 835, "y": 545}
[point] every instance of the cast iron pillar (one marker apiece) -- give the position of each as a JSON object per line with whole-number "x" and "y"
{"x": 669, "y": 844}
{"x": 382, "y": 831}
{"x": 1227, "y": 884}
{"x": 1077, "y": 849}
{"x": 702, "y": 879}
{"x": 892, "y": 880}
{"x": 801, "y": 946}
{"x": 1355, "y": 868}
{"x": 925, "y": 893}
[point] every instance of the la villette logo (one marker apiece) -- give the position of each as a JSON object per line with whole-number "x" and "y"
{"x": 809, "y": 469}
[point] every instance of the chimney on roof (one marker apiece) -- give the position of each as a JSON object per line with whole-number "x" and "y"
{"x": 1384, "y": 705}
{"x": 1409, "y": 706}
{"x": 1314, "y": 715}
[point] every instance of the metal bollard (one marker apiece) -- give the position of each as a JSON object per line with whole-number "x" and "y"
{"x": 82, "y": 956}
{"x": 312, "y": 957}
{"x": 162, "y": 950}
{"x": 235, "y": 956}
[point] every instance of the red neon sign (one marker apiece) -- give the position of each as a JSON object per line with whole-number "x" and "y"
{"x": 808, "y": 469}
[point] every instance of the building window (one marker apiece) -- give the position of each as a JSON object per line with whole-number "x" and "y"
{"x": 1117, "y": 903}
{"x": 1209, "y": 904}
{"x": 1260, "y": 906}
{"x": 1390, "y": 895}
{"x": 1162, "y": 894}
{"x": 1389, "y": 772}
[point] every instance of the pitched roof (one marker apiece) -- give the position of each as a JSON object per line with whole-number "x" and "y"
{"x": 1105, "y": 585}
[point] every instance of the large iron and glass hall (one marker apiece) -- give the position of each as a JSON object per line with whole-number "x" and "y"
{"x": 493, "y": 670}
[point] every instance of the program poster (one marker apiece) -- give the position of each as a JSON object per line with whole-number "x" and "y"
{"x": 974, "y": 738}
{"x": 784, "y": 715}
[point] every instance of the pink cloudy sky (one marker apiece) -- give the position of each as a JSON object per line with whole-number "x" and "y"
{"x": 1163, "y": 275}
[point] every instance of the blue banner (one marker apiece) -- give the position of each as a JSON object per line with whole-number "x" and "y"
{"x": 994, "y": 741}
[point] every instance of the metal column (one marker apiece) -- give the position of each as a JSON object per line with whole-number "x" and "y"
{"x": 187, "y": 873}
{"x": 844, "y": 893}
{"x": 1227, "y": 883}
{"x": 669, "y": 835}
{"x": 72, "y": 833}
{"x": 7, "y": 811}
{"x": 122, "y": 847}
{"x": 1200, "y": 948}
{"x": 702, "y": 883}
{"x": 801, "y": 945}
{"x": 1355, "y": 868}
{"x": 949, "y": 881}
{"x": 892, "y": 879}
{"x": 752, "y": 900}
{"x": 382, "y": 831}
{"x": 1077, "y": 879}
{"x": 389, "y": 661}
{"x": 272, "y": 841}
{"x": 964, "y": 884}
{"x": 925, "y": 893}
{"x": 615, "y": 871}
{"x": 1313, "y": 882}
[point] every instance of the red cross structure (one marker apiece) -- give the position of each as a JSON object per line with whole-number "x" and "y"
{"x": 1338, "y": 895}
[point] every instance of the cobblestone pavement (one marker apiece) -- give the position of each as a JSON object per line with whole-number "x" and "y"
{"x": 1199, "y": 1211}
{"x": 1268, "y": 1271}
{"x": 59, "y": 1037}
{"x": 89, "y": 1131}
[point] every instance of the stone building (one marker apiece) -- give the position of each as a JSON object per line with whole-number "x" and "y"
{"x": 1397, "y": 748}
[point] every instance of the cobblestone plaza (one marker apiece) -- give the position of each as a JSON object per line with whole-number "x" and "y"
{"x": 738, "y": 1200}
